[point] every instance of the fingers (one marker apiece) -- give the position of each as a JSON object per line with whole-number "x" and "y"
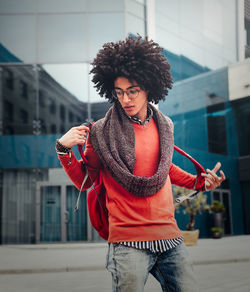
{"x": 81, "y": 137}
{"x": 212, "y": 180}
{"x": 82, "y": 127}
{"x": 213, "y": 176}
{"x": 217, "y": 167}
{"x": 222, "y": 175}
{"x": 76, "y": 135}
{"x": 82, "y": 132}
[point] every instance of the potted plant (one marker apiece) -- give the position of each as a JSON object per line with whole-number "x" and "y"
{"x": 217, "y": 209}
{"x": 191, "y": 207}
{"x": 216, "y": 232}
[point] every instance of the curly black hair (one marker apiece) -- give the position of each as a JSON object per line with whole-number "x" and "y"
{"x": 137, "y": 60}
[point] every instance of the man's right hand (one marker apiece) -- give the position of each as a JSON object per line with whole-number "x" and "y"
{"x": 76, "y": 135}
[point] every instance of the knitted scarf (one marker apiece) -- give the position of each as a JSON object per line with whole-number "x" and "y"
{"x": 113, "y": 139}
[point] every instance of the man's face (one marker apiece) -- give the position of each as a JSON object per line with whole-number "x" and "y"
{"x": 131, "y": 97}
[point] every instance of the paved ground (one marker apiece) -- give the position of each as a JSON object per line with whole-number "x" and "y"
{"x": 220, "y": 265}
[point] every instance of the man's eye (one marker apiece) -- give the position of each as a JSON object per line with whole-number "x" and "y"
{"x": 133, "y": 91}
{"x": 118, "y": 92}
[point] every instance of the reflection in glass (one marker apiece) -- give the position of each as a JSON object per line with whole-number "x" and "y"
{"x": 135, "y": 8}
{"x": 61, "y": 5}
{"x": 98, "y": 105}
{"x": 18, "y": 40}
{"x": 17, "y": 6}
{"x": 18, "y": 99}
{"x": 135, "y": 25}
{"x": 48, "y": 99}
{"x": 107, "y": 5}
{"x": 103, "y": 28}
{"x": 185, "y": 28}
{"x": 18, "y": 203}
{"x": 65, "y": 94}
{"x": 62, "y": 38}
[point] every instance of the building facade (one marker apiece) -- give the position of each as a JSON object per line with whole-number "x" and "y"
{"x": 46, "y": 49}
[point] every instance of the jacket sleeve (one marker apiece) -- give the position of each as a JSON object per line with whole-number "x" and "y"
{"x": 185, "y": 179}
{"x": 75, "y": 168}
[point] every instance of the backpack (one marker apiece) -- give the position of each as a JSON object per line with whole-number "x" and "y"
{"x": 98, "y": 212}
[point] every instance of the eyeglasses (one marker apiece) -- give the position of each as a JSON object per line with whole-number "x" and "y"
{"x": 132, "y": 93}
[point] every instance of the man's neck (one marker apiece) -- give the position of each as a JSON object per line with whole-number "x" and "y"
{"x": 147, "y": 118}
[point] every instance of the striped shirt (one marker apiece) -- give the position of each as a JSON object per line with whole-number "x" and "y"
{"x": 155, "y": 245}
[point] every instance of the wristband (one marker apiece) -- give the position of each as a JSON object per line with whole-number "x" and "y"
{"x": 61, "y": 148}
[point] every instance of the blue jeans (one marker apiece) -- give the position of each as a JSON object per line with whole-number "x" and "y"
{"x": 130, "y": 268}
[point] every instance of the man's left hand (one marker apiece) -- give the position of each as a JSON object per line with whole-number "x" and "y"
{"x": 212, "y": 180}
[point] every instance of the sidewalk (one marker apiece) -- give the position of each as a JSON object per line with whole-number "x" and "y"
{"x": 42, "y": 258}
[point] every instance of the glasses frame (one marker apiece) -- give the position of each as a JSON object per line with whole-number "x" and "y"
{"x": 126, "y": 91}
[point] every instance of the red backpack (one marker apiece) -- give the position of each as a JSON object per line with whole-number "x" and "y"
{"x": 98, "y": 212}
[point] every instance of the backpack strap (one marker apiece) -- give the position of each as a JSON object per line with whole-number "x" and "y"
{"x": 199, "y": 170}
{"x": 80, "y": 192}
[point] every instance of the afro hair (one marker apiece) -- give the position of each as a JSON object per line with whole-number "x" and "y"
{"x": 137, "y": 60}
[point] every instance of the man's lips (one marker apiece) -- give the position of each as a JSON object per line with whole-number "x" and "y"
{"x": 128, "y": 108}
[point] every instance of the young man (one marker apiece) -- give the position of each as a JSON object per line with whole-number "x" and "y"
{"x": 132, "y": 146}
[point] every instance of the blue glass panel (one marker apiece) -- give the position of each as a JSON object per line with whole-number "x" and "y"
{"x": 77, "y": 221}
{"x": 50, "y": 214}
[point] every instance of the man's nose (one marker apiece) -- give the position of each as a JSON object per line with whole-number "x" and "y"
{"x": 125, "y": 97}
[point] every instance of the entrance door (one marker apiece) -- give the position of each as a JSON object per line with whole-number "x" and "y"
{"x": 223, "y": 196}
{"x": 56, "y": 220}
{"x": 50, "y": 213}
{"x": 76, "y": 221}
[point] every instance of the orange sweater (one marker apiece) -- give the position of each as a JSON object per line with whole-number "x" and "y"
{"x": 133, "y": 218}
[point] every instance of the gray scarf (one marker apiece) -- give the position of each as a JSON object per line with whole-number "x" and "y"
{"x": 113, "y": 139}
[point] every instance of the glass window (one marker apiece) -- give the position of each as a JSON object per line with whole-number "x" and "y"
{"x": 169, "y": 8}
{"x": 217, "y": 136}
{"x": 62, "y": 38}
{"x": 191, "y": 14}
{"x": 24, "y": 117}
{"x": 140, "y": 1}
{"x": 76, "y": 227}
{"x": 17, "y": 6}
{"x": 71, "y": 117}
{"x": 242, "y": 112}
{"x": 52, "y": 106}
{"x": 8, "y": 111}
{"x": 53, "y": 129}
{"x": 103, "y": 28}
{"x": 43, "y": 126}
{"x": 107, "y": 5}
{"x": 50, "y": 213}
{"x": 62, "y": 129}
{"x": 9, "y": 79}
{"x": 135, "y": 8}
{"x": 192, "y": 65}
{"x": 42, "y": 98}
{"x": 169, "y": 41}
{"x": 61, "y": 5}
{"x": 62, "y": 112}
{"x": 23, "y": 89}
{"x": 187, "y": 26}
{"x": 13, "y": 103}
{"x": 67, "y": 88}
{"x": 18, "y": 38}
{"x": 135, "y": 25}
